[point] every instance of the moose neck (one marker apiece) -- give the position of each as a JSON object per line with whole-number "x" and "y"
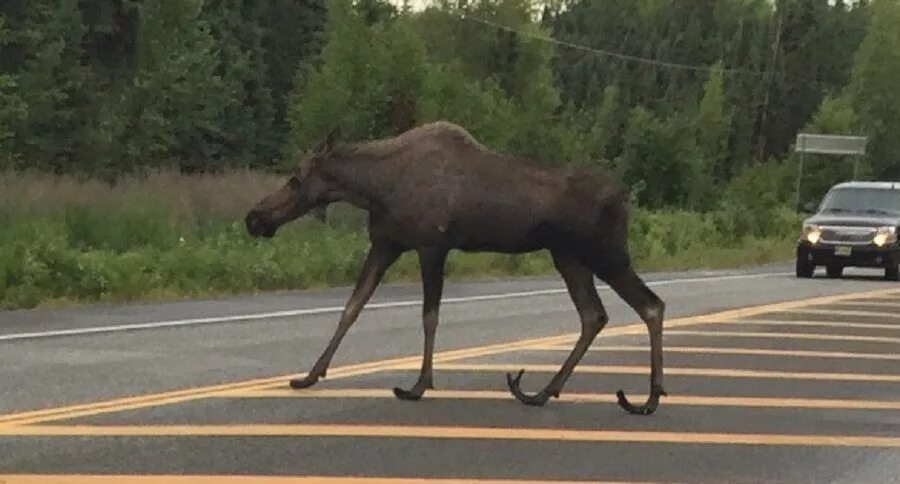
{"x": 365, "y": 179}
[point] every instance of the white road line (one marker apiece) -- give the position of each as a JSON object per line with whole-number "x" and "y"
{"x": 337, "y": 309}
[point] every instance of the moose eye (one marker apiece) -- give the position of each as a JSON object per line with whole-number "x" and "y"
{"x": 294, "y": 182}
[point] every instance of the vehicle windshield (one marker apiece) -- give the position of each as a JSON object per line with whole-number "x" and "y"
{"x": 862, "y": 200}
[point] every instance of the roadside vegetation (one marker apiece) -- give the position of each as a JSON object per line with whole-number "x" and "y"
{"x": 166, "y": 236}
{"x": 135, "y": 135}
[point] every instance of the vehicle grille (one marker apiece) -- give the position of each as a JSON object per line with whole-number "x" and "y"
{"x": 848, "y": 235}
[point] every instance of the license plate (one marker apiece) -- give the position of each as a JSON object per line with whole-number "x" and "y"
{"x": 843, "y": 250}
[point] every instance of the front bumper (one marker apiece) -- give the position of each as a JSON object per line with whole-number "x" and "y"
{"x": 824, "y": 254}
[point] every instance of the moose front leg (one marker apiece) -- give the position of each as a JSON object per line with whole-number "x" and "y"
{"x": 580, "y": 283}
{"x": 380, "y": 257}
{"x": 431, "y": 262}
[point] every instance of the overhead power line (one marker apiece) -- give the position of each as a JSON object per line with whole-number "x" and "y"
{"x": 607, "y": 53}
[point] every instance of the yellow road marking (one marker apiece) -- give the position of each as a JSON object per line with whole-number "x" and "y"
{"x": 164, "y": 398}
{"x": 844, "y": 312}
{"x": 232, "y": 479}
{"x": 733, "y": 315}
{"x": 810, "y": 336}
{"x": 784, "y": 306}
{"x": 734, "y": 351}
{"x": 450, "y": 432}
{"x": 181, "y": 396}
{"x": 870, "y": 304}
{"x": 889, "y": 295}
{"x": 824, "y": 324}
{"x": 204, "y": 392}
{"x": 642, "y": 370}
{"x": 710, "y": 401}
{"x": 156, "y": 399}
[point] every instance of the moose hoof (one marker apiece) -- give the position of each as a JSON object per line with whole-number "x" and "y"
{"x": 646, "y": 409}
{"x": 409, "y": 395}
{"x": 537, "y": 400}
{"x": 301, "y": 383}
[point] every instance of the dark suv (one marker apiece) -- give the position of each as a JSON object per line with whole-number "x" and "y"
{"x": 856, "y": 225}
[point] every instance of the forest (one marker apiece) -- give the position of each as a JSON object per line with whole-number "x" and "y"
{"x": 132, "y": 131}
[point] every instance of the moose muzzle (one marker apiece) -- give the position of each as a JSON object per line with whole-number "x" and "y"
{"x": 260, "y": 225}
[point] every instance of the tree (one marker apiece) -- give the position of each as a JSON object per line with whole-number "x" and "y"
{"x": 12, "y": 109}
{"x": 12, "y": 112}
{"x": 292, "y": 39}
{"x": 47, "y": 88}
{"x": 612, "y": 25}
{"x": 811, "y": 53}
{"x": 174, "y": 109}
{"x": 496, "y": 43}
{"x": 711, "y": 126}
{"x": 605, "y": 133}
{"x": 248, "y": 115}
{"x": 368, "y": 81}
{"x": 480, "y": 106}
{"x": 657, "y": 160}
{"x": 109, "y": 39}
{"x": 873, "y": 88}
{"x": 205, "y": 84}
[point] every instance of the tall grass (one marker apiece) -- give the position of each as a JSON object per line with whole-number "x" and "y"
{"x": 166, "y": 235}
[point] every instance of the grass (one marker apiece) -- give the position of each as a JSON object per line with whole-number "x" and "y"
{"x": 165, "y": 236}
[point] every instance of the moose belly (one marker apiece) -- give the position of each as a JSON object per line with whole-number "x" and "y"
{"x": 503, "y": 237}
{"x": 473, "y": 225}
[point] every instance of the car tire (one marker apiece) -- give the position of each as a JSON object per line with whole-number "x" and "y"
{"x": 804, "y": 269}
{"x": 892, "y": 273}
{"x": 835, "y": 272}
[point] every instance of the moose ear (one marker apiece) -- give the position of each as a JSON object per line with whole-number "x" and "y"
{"x": 326, "y": 145}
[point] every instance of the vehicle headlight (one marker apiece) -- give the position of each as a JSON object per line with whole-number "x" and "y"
{"x": 885, "y": 236}
{"x": 812, "y": 233}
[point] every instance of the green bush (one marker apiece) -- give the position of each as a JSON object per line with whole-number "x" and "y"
{"x": 64, "y": 240}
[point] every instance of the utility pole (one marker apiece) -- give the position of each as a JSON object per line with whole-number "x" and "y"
{"x": 776, "y": 46}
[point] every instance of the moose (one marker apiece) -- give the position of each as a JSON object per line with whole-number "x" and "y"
{"x": 435, "y": 188}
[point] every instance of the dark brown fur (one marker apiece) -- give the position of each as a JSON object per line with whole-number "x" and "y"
{"x": 435, "y": 188}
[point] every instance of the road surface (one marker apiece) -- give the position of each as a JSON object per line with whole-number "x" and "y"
{"x": 770, "y": 379}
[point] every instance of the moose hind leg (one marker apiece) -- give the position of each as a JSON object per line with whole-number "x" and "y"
{"x": 379, "y": 258}
{"x": 431, "y": 262}
{"x": 580, "y": 283}
{"x": 651, "y": 308}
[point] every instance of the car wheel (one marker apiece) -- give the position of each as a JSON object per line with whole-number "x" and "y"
{"x": 892, "y": 273}
{"x": 834, "y": 272}
{"x": 804, "y": 269}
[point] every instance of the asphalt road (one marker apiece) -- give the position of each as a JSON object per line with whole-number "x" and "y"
{"x": 788, "y": 381}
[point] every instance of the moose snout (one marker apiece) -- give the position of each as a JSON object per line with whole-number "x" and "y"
{"x": 258, "y": 225}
